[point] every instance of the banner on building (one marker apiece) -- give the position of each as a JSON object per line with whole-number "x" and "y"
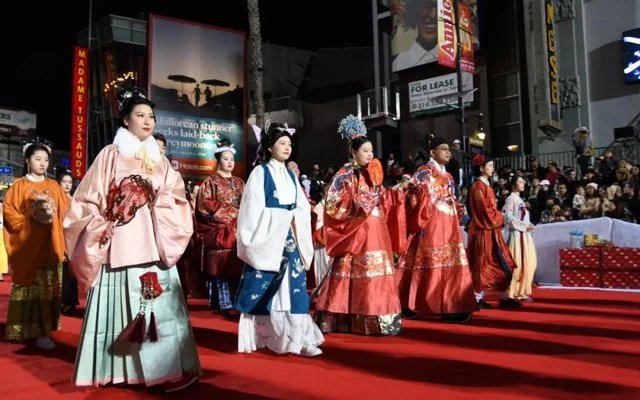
{"x": 447, "y": 36}
{"x": 468, "y": 61}
{"x": 552, "y": 60}
{"x": 16, "y": 122}
{"x": 79, "y": 103}
{"x": 199, "y": 91}
{"x": 414, "y": 35}
{"x": 434, "y": 95}
{"x": 545, "y": 67}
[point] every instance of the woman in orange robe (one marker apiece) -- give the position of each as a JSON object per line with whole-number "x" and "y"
{"x": 359, "y": 294}
{"x": 217, "y": 209}
{"x": 34, "y": 209}
{"x": 491, "y": 262}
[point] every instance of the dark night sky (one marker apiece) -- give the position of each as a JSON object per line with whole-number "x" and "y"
{"x": 37, "y": 42}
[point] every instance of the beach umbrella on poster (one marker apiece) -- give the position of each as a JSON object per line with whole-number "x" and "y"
{"x": 215, "y": 83}
{"x": 182, "y": 79}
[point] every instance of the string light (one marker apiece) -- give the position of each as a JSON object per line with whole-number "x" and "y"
{"x": 116, "y": 82}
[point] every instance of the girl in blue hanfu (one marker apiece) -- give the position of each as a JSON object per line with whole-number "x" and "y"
{"x": 274, "y": 239}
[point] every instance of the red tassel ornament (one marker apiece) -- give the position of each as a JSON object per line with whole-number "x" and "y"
{"x": 153, "y": 330}
{"x": 135, "y": 332}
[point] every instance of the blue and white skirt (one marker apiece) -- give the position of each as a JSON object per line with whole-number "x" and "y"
{"x": 275, "y": 307}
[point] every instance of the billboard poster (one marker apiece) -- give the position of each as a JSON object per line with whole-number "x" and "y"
{"x": 429, "y": 96}
{"x": 79, "y": 104}
{"x": 15, "y": 122}
{"x": 197, "y": 79}
{"x": 414, "y": 33}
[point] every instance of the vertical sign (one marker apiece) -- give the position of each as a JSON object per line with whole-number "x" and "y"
{"x": 80, "y": 92}
{"x": 110, "y": 87}
{"x": 448, "y": 39}
{"x": 447, "y": 47}
{"x": 552, "y": 61}
{"x": 468, "y": 62}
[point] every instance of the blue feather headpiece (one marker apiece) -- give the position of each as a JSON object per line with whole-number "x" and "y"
{"x": 351, "y": 127}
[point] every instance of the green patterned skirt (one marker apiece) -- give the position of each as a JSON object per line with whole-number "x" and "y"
{"x": 111, "y": 305}
{"x": 34, "y": 310}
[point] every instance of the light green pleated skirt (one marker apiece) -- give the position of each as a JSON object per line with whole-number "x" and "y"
{"x": 111, "y": 305}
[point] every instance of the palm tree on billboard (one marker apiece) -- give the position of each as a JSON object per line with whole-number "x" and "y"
{"x": 257, "y": 69}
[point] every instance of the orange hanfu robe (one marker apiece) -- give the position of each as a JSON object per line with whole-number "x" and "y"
{"x": 35, "y": 251}
{"x": 359, "y": 293}
{"x": 491, "y": 262}
{"x": 433, "y": 275}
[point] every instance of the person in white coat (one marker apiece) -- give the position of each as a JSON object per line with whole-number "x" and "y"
{"x": 274, "y": 240}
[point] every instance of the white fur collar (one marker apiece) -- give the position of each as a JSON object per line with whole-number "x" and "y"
{"x": 129, "y": 145}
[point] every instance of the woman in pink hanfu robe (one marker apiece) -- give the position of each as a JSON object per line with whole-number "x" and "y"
{"x": 128, "y": 224}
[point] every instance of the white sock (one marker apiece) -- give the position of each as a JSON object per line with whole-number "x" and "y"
{"x": 479, "y": 296}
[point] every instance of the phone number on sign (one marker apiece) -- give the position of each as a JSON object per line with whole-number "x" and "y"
{"x": 432, "y": 103}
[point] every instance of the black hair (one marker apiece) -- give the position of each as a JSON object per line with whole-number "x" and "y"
{"x": 513, "y": 181}
{"x": 222, "y": 143}
{"x": 274, "y": 132}
{"x": 30, "y": 151}
{"x": 62, "y": 173}
{"x": 160, "y": 137}
{"x": 129, "y": 98}
{"x": 356, "y": 143}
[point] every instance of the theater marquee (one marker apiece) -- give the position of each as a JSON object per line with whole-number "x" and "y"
{"x": 80, "y": 92}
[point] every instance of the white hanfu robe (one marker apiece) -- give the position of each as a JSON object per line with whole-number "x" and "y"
{"x": 261, "y": 237}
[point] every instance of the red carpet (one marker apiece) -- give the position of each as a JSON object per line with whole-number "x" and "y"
{"x": 565, "y": 345}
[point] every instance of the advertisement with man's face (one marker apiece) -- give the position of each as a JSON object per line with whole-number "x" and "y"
{"x": 414, "y": 35}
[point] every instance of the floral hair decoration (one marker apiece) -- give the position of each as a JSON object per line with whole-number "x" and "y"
{"x": 478, "y": 160}
{"x": 352, "y": 127}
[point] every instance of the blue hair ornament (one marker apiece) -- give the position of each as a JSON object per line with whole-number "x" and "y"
{"x": 351, "y": 127}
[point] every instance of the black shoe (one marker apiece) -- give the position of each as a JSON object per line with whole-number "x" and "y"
{"x": 408, "y": 314}
{"x": 510, "y": 303}
{"x": 68, "y": 310}
{"x": 484, "y": 305}
{"x": 457, "y": 318}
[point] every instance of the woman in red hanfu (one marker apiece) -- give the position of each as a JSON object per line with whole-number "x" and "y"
{"x": 359, "y": 294}
{"x": 491, "y": 262}
{"x": 217, "y": 207}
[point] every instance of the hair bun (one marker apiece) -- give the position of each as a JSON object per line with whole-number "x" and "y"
{"x": 126, "y": 93}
